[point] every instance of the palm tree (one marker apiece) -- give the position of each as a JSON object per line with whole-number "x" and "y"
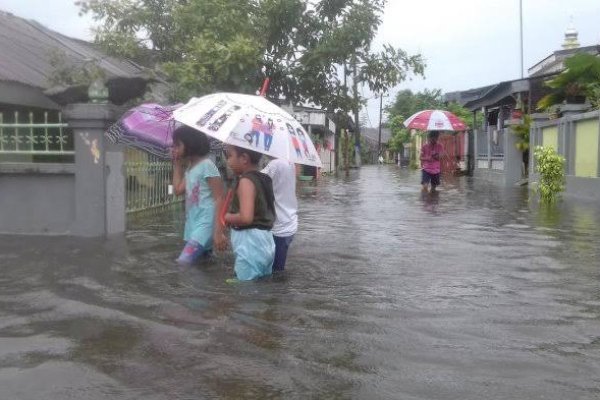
{"x": 579, "y": 82}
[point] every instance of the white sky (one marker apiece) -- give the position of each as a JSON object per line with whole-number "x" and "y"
{"x": 466, "y": 43}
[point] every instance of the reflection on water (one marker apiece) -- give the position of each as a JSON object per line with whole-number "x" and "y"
{"x": 471, "y": 293}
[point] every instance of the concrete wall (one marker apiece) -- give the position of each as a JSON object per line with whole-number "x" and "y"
{"x": 37, "y": 199}
{"x": 576, "y": 136}
{"x": 586, "y": 148}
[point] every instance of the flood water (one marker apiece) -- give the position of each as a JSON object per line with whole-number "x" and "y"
{"x": 471, "y": 294}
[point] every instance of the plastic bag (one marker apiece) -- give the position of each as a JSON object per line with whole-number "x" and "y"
{"x": 254, "y": 251}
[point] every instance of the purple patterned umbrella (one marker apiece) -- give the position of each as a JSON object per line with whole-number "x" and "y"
{"x": 148, "y": 127}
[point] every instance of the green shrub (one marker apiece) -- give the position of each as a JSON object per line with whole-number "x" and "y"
{"x": 551, "y": 167}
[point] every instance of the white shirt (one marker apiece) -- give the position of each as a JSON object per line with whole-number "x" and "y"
{"x": 283, "y": 175}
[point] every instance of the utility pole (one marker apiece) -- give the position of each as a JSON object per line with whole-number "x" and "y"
{"x": 521, "y": 32}
{"x": 356, "y": 111}
{"x": 380, "y": 117}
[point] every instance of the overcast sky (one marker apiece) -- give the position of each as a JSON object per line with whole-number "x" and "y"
{"x": 466, "y": 43}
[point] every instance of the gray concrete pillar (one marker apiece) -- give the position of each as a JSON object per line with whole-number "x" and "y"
{"x": 513, "y": 158}
{"x": 99, "y": 171}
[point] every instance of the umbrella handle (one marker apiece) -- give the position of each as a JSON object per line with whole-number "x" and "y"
{"x": 265, "y": 87}
{"x": 225, "y": 206}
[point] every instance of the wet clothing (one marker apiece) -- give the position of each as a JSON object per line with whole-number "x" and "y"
{"x": 427, "y": 162}
{"x": 253, "y": 244}
{"x": 254, "y": 251}
{"x": 192, "y": 253}
{"x": 199, "y": 203}
{"x": 282, "y": 244}
{"x": 264, "y": 203}
{"x": 283, "y": 174}
{"x": 426, "y": 177}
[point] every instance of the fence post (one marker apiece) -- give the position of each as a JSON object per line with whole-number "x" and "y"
{"x": 513, "y": 158}
{"x": 535, "y": 139}
{"x": 99, "y": 171}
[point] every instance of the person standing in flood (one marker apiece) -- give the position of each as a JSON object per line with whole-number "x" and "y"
{"x": 431, "y": 153}
{"x": 202, "y": 186}
{"x": 283, "y": 175}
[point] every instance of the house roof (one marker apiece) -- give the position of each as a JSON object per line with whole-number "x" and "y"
{"x": 26, "y": 47}
{"x": 465, "y": 96}
{"x": 372, "y": 134}
{"x": 492, "y": 95}
{"x": 554, "y": 63}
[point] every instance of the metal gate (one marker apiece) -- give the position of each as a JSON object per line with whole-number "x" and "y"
{"x": 148, "y": 181}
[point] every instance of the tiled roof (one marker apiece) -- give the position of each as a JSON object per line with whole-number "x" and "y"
{"x": 25, "y": 48}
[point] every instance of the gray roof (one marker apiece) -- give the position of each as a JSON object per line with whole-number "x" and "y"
{"x": 494, "y": 94}
{"x": 464, "y": 96}
{"x": 26, "y": 50}
{"x": 555, "y": 62}
{"x": 26, "y": 45}
{"x": 372, "y": 134}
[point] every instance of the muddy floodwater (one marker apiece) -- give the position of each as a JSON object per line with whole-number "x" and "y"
{"x": 474, "y": 293}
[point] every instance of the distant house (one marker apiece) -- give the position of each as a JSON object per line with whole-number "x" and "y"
{"x": 372, "y": 141}
{"x": 322, "y": 129}
{"x": 496, "y": 107}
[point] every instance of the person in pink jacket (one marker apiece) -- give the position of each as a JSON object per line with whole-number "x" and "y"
{"x": 431, "y": 153}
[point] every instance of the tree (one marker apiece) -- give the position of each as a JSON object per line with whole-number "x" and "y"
{"x": 464, "y": 114}
{"x": 309, "y": 50}
{"x": 579, "y": 81}
{"x": 201, "y": 45}
{"x": 407, "y": 103}
{"x": 340, "y": 57}
{"x": 400, "y": 135}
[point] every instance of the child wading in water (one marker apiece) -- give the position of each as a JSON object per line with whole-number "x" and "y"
{"x": 251, "y": 215}
{"x": 203, "y": 188}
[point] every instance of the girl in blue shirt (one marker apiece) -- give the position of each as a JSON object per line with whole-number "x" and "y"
{"x": 203, "y": 188}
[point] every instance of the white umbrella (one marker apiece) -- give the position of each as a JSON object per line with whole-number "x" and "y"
{"x": 251, "y": 122}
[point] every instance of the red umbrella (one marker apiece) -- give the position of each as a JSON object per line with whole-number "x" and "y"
{"x": 435, "y": 120}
